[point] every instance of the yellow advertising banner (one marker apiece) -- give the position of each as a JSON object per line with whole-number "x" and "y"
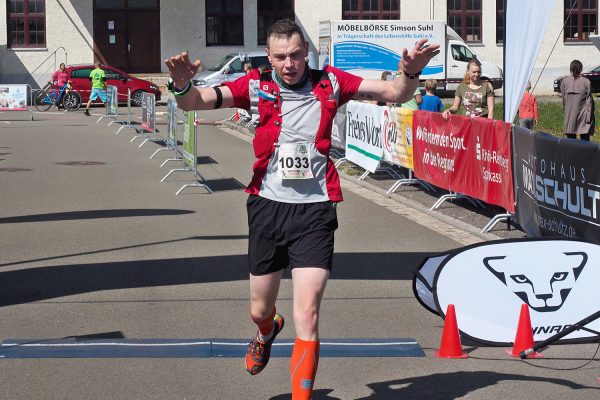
{"x": 403, "y": 144}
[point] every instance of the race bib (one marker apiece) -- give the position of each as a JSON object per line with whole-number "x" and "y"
{"x": 294, "y": 161}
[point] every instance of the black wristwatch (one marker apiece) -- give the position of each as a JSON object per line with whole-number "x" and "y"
{"x": 411, "y": 76}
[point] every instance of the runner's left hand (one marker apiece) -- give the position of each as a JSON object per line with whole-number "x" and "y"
{"x": 418, "y": 57}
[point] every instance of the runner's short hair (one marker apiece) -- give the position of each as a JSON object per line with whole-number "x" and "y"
{"x": 284, "y": 28}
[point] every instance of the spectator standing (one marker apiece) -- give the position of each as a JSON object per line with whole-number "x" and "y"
{"x": 528, "y": 109}
{"x": 475, "y": 96}
{"x": 578, "y": 103}
{"x": 60, "y": 80}
{"x": 430, "y": 101}
{"x": 415, "y": 101}
{"x": 98, "y": 78}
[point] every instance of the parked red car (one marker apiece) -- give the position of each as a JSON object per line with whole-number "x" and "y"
{"x": 79, "y": 77}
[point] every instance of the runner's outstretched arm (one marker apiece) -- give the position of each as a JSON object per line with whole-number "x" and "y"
{"x": 403, "y": 87}
{"x": 182, "y": 70}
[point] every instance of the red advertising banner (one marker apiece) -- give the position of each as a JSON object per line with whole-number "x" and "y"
{"x": 471, "y": 156}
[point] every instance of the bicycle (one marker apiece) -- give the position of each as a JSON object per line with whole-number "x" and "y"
{"x": 46, "y": 97}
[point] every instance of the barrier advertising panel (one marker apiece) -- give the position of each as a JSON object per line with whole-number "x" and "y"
{"x": 338, "y": 129}
{"x": 471, "y": 156}
{"x": 559, "y": 185}
{"x": 189, "y": 139}
{"x": 13, "y": 97}
{"x": 148, "y": 112}
{"x": 171, "y": 122}
{"x": 404, "y": 147}
{"x": 389, "y": 131}
{"x": 112, "y": 103}
{"x": 488, "y": 282}
{"x": 363, "y": 135}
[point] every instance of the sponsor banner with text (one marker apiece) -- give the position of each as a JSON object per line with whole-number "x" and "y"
{"x": 404, "y": 147}
{"x": 338, "y": 129}
{"x": 471, "y": 156}
{"x": 148, "y": 112}
{"x": 189, "y": 139}
{"x": 389, "y": 131}
{"x": 171, "y": 122}
{"x": 488, "y": 282}
{"x": 363, "y": 135}
{"x": 559, "y": 185}
{"x": 13, "y": 97}
{"x": 112, "y": 104}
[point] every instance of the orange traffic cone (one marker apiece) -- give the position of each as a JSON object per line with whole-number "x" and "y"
{"x": 450, "y": 346}
{"x": 524, "y": 337}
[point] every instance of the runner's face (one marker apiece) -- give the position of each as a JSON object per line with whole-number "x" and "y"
{"x": 474, "y": 73}
{"x": 287, "y": 56}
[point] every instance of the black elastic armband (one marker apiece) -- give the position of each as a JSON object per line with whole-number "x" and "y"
{"x": 219, "y": 101}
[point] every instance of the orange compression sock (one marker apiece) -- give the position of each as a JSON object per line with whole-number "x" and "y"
{"x": 265, "y": 327}
{"x": 303, "y": 368}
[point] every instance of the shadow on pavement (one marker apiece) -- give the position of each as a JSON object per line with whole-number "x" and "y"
{"x": 94, "y": 214}
{"x": 41, "y": 283}
{"x": 453, "y": 385}
{"x": 318, "y": 394}
{"x": 225, "y": 184}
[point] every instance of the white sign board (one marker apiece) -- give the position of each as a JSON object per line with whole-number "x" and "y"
{"x": 369, "y": 47}
{"x": 13, "y": 97}
{"x": 363, "y": 135}
{"x": 488, "y": 283}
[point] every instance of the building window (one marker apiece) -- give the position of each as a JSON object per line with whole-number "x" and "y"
{"x": 581, "y": 20}
{"x": 26, "y": 23}
{"x": 500, "y": 21}
{"x": 269, "y": 11}
{"x": 224, "y": 23}
{"x": 370, "y": 9}
{"x": 464, "y": 16}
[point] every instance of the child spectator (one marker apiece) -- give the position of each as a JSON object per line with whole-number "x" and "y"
{"x": 430, "y": 101}
{"x": 528, "y": 110}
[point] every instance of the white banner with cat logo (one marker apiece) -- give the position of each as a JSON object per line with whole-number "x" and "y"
{"x": 364, "y": 145}
{"x": 488, "y": 283}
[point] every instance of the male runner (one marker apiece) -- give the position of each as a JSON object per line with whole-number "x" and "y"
{"x": 295, "y": 187}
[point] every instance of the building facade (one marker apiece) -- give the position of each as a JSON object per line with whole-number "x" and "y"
{"x": 136, "y": 35}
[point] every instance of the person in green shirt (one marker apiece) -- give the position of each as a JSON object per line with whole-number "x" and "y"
{"x": 98, "y": 78}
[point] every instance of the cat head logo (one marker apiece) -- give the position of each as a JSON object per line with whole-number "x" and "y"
{"x": 543, "y": 289}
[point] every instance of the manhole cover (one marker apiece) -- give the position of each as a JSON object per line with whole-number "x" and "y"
{"x": 76, "y": 163}
{"x": 15, "y": 169}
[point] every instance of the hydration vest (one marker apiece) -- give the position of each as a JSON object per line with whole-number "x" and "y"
{"x": 269, "y": 128}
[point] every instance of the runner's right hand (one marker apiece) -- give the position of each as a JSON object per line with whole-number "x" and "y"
{"x": 182, "y": 69}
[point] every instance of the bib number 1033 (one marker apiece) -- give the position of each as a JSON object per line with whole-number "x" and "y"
{"x": 294, "y": 161}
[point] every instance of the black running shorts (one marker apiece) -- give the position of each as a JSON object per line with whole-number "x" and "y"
{"x": 282, "y": 234}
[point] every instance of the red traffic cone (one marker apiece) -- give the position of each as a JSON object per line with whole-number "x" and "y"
{"x": 450, "y": 346}
{"x": 524, "y": 337}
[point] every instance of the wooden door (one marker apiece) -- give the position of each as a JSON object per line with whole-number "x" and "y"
{"x": 144, "y": 40}
{"x": 111, "y": 38}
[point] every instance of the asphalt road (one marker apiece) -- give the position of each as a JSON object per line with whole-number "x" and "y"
{"x": 93, "y": 245}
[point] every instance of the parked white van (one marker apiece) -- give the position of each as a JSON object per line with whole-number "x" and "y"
{"x": 231, "y": 67}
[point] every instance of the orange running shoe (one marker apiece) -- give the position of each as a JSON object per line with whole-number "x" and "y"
{"x": 258, "y": 353}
